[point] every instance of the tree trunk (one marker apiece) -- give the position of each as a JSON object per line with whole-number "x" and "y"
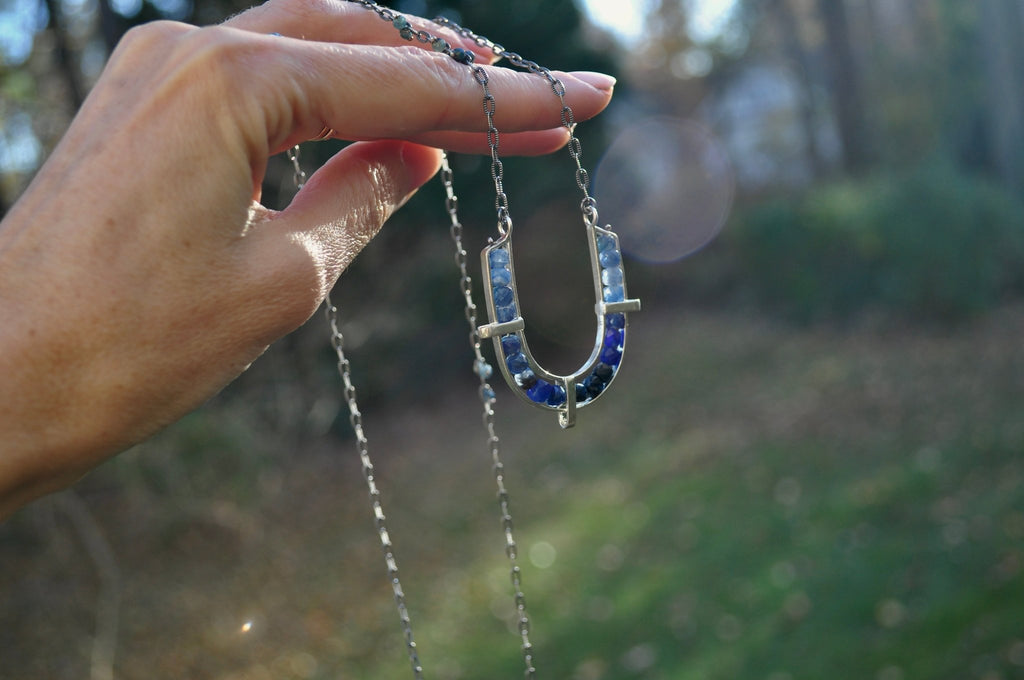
{"x": 65, "y": 59}
{"x": 1002, "y": 52}
{"x": 847, "y": 96}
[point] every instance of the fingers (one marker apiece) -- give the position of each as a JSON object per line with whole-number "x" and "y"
{"x": 341, "y": 21}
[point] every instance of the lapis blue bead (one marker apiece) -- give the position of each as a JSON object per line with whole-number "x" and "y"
{"x": 516, "y": 363}
{"x": 614, "y": 293}
{"x": 593, "y": 385}
{"x": 498, "y": 258}
{"x": 604, "y": 372}
{"x": 557, "y": 396}
{"x": 503, "y": 296}
{"x": 526, "y": 379}
{"x": 581, "y": 393}
{"x": 606, "y": 243}
{"x": 501, "y": 276}
{"x": 539, "y": 392}
{"x": 612, "y": 337}
{"x": 510, "y": 344}
{"x": 615, "y": 320}
{"x": 611, "y": 356}
{"x": 505, "y": 314}
{"x": 612, "y": 276}
{"x": 610, "y": 258}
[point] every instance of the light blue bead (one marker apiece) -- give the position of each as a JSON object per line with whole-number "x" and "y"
{"x": 505, "y": 314}
{"x": 612, "y": 276}
{"x": 498, "y": 258}
{"x": 606, "y": 243}
{"x": 614, "y": 293}
{"x": 610, "y": 258}
{"x": 501, "y": 276}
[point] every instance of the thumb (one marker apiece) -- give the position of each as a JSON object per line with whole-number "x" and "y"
{"x": 303, "y": 249}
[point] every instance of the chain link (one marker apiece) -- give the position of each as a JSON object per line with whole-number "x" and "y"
{"x": 484, "y": 371}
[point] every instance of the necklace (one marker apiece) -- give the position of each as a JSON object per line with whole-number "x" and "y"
{"x": 563, "y": 394}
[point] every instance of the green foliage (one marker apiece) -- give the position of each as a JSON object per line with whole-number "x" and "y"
{"x": 932, "y": 243}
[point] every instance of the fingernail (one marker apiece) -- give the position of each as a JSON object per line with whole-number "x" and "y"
{"x": 601, "y": 81}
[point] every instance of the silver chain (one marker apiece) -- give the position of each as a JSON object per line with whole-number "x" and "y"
{"x": 484, "y": 371}
{"x": 355, "y": 417}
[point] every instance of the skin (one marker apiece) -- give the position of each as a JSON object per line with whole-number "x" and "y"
{"x": 139, "y": 273}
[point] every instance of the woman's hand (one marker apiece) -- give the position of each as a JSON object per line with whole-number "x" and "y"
{"x": 139, "y": 273}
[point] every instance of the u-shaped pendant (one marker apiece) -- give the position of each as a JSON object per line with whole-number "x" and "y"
{"x": 528, "y": 379}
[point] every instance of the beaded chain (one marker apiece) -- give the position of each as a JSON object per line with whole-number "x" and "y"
{"x": 562, "y": 393}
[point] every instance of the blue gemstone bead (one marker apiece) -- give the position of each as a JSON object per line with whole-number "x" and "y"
{"x": 483, "y": 369}
{"x": 614, "y": 293}
{"x": 611, "y": 356}
{"x": 510, "y": 344}
{"x": 615, "y": 320}
{"x": 498, "y": 258}
{"x": 610, "y": 258}
{"x": 612, "y": 337}
{"x": 400, "y": 22}
{"x": 406, "y": 33}
{"x": 505, "y": 314}
{"x": 526, "y": 379}
{"x": 501, "y": 276}
{"x": 557, "y": 396}
{"x": 439, "y": 44}
{"x": 612, "y": 276}
{"x": 517, "y": 363}
{"x": 593, "y": 385}
{"x": 503, "y": 296}
{"x": 606, "y": 243}
{"x": 488, "y": 394}
{"x": 539, "y": 392}
{"x": 604, "y": 372}
{"x": 581, "y": 394}
{"x": 462, "y": 56}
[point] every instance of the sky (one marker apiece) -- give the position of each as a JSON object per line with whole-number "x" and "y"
{"x": 625, "y": 18}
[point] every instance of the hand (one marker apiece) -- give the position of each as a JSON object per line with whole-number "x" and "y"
{"x": 139, "y": 273}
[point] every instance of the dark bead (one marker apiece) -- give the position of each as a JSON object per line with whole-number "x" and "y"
{"x": 557, "y": 396}
{"x": 405, "y": 33}
{"x": 526, "y": 379}
{"x": 503, "y": 296}
{"x": 540, "y": 392}
{"x": 510, "y": 344}
{"x": 604, "y": 372}
{"x": 462, "y": 56}
{"x": 593, "y": 385}
{"x": 505, "y": 314}
{"x": 616, "y": 320}
{"x": 581, "y": 393}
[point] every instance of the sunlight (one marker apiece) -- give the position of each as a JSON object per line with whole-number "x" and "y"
{"x": 626, "y": 19}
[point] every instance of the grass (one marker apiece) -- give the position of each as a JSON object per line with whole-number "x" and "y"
{"x": 752, "y": 501}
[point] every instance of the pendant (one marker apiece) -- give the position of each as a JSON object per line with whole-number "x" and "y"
{"x": 528, "y": 379}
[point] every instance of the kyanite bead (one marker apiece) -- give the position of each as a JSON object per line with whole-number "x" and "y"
{"x": 501, "y": 276}
{"x": 483, "y": 369}
{"x": 517, "y": 363}
{"x": 615, "y": 320}
{"x": 604, "y": 372}
{"x": 510, "y": 344}
{"x": 605, "y": 243}
{"x": 612, "y": 337}
{"x": 439, "y": 44}
{"x": 505, "y": 314}
{"x": 526, "y": 379}
{"x": 488, "y": 394}
{"x": 610, "y": 258}
{"x": 400, "y": 22}
{"x": 593, "y": 384}
{"x": 611, "y": 356}
{"x": 503, "y": 296}
{"x": 539, "y": 392}
{"x": 498, "y": 258}
{"x": 557, "y": 396}
{"x": 612, "y": 276}
{"x": 614, "y": 293}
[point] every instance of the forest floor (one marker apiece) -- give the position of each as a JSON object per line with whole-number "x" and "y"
{"x": 752, "y": 500}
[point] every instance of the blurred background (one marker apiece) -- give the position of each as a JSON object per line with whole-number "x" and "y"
{"x": 810, "y": 467}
